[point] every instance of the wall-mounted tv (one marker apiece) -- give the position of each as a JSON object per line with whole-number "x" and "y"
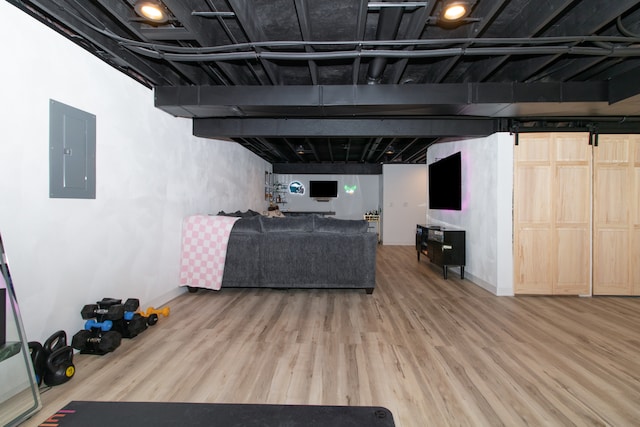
{"x": 323, "y": 189}
{"x": 445, "y": 183}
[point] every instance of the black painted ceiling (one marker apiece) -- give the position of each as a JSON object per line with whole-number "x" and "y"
{"x": 350, "y": 81}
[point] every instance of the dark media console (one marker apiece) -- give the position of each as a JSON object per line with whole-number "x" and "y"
{"x": 445, "y": 247}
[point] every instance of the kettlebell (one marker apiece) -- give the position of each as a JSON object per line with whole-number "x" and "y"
{"x": 38, "y": 359}
{"x": 60, "y": 368}
{"x": 56, "y": 341}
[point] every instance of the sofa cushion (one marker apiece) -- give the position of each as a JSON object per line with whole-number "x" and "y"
{"x": 287, "y": 223}
{"x": 247, "y": 225}
{"x": 345, "y": 226}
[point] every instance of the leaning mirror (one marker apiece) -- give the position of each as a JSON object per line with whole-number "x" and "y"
{"x": 19, "y": 394}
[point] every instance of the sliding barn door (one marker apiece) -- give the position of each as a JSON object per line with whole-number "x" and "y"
{"x": 552, "y": 214}
{"x": 616, "y": 244}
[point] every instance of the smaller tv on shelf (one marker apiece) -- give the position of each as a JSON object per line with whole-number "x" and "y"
{"x": 323, "y": 189}
{"x": 445, "y": 183}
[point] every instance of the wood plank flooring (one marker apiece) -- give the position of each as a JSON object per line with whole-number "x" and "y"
{"x": 434, "y": 352}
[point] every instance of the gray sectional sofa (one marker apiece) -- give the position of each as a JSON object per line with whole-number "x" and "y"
{"x": 301, "y": 252}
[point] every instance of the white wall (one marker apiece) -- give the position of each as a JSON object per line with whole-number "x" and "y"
{"x": 151, "y": 172}
{"x": 346, "y": 206}
{"x": 403, "y": 189}
{"x": 486, "y": 215}
{"x": 404, "y": 195}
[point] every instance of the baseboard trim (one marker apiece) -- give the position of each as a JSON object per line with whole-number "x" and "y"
{"x": 168, "y": 296}
{"x": 487, "y": 286}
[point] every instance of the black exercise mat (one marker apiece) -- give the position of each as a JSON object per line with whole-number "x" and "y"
{"x": 159, "y": 414}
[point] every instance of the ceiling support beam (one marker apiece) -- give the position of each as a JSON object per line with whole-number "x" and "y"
{"x": 363, "y": 127}
{"x": 624, "y": 86}
{"x": 469, "y": 99}
{"x": 340, "y": 168}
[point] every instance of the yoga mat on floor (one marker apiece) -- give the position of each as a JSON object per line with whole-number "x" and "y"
{"x": 160, "y": 414}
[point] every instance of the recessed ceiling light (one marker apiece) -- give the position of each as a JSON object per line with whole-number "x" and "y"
{"x": 454, "y": 10}
{"x": 152, "y": 10}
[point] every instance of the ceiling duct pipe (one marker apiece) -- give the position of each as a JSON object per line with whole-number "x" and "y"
{"x": 388, "y": 25}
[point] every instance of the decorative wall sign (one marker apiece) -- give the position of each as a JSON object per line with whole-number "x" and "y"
{"x": 296, "y": 187}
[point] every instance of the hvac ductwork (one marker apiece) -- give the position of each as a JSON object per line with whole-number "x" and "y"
{"x": 388, "y": 24}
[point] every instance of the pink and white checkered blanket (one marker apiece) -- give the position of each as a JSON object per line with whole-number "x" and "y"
{"x": 204, "y": 250}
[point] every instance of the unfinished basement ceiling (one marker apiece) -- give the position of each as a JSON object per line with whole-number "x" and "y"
{"x": 359, "y": 82}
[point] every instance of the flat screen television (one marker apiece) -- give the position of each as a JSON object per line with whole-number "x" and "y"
{"x": 445, "y": 183}
{"x": 323, "y": 189}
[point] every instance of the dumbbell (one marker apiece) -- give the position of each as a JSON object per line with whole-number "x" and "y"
{"x": 130, "y": 307}
{"x": 152, "y": 314}
{"x": 132, "y": 323}
{"x": 131, "y": 304}
{"x": 136, "y": 325}
{"x": 130, "y": 326}
{"x": 107, "y": 302}
{"x": 112, "y": 312}
{"x": 150, "y": 319}
{"x": 164, "y": 311}
{"x": 103, "y": 326}
{"x": 95, "y": 342}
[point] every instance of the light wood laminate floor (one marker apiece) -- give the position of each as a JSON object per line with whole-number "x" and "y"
{"x": 435, "y": 352}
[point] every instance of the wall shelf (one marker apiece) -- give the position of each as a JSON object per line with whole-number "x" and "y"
{"x": 274, "y": 192}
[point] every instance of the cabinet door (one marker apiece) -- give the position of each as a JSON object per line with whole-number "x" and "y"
{"x": 552, "y": 196}
{"x": 455, "y": 255}
{"x": 616, "y": 234}
{"x": 434, "y": 250}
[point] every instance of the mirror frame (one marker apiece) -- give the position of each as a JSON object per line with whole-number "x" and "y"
{"x": 12, "y": 305}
